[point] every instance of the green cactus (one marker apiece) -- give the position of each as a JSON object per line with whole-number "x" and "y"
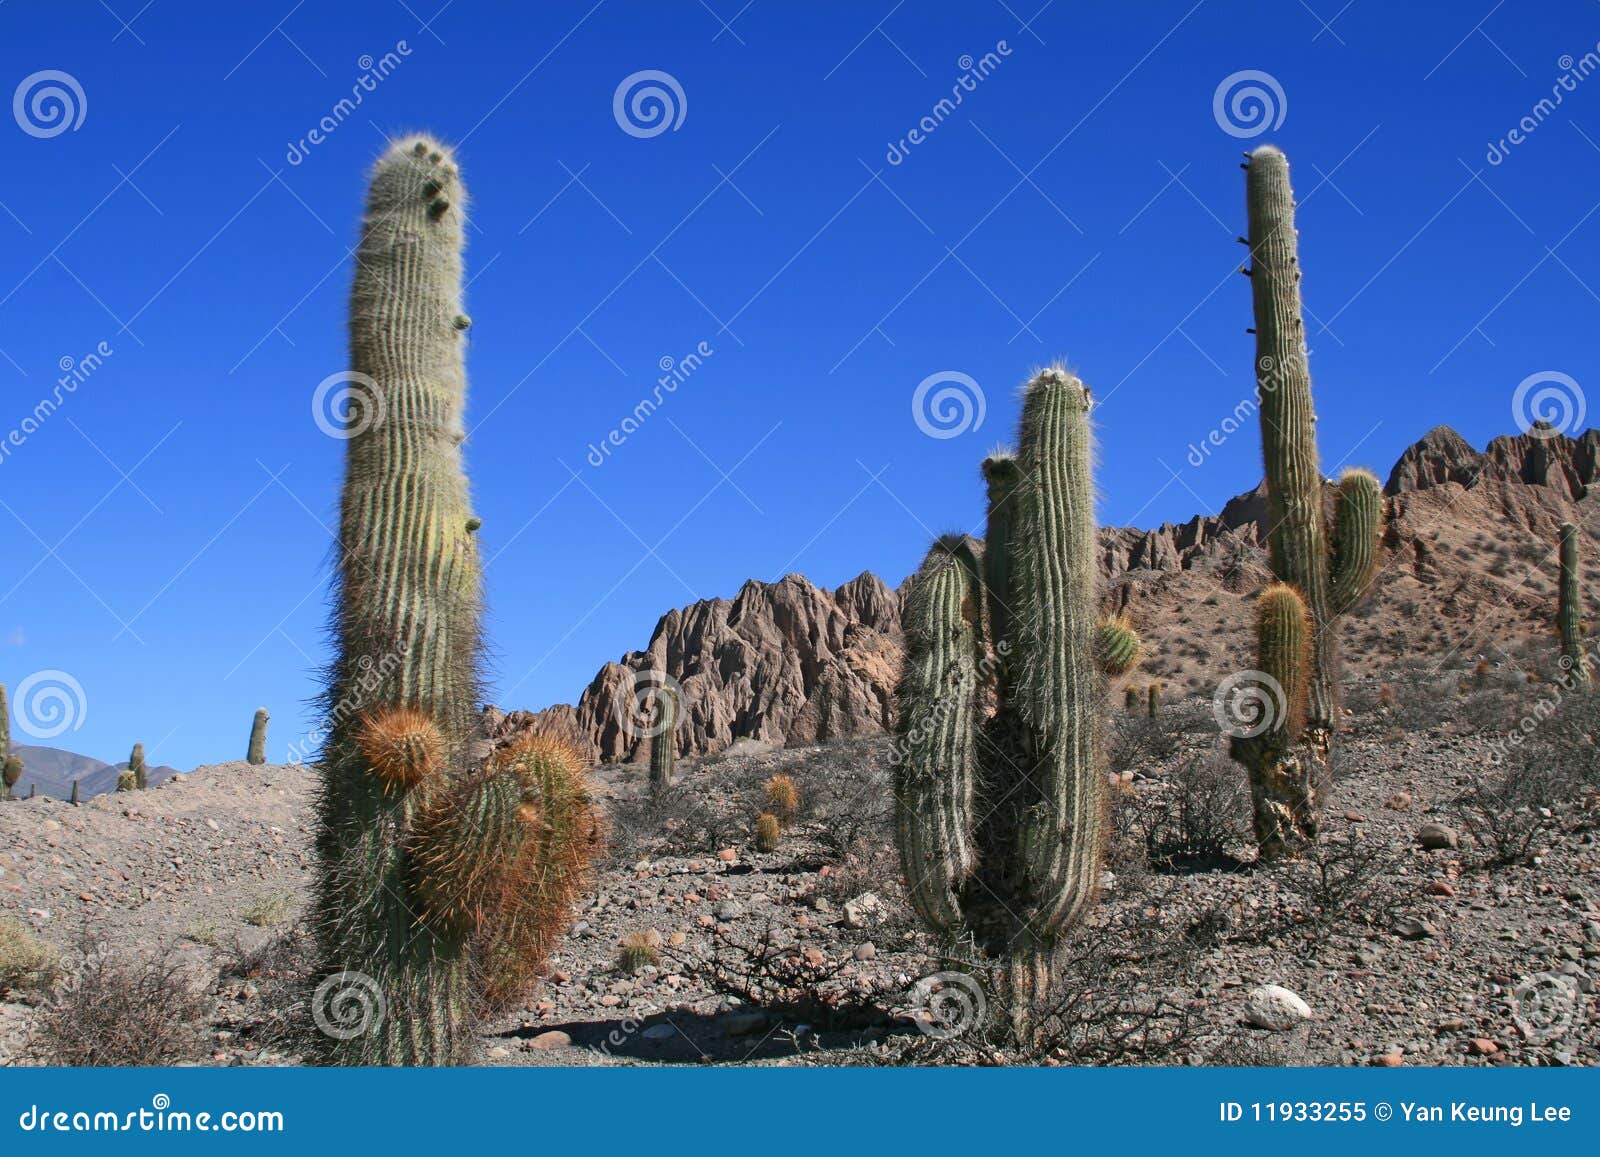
{"x": 137, "y": 769}
{"x": 256, "y": 753}
{"x": 439, "y": 878}
{"x": 1569, "y": 615}
{"x": 664, "y": 743}
{"x": 1013, "y": 869}
{"x": 1152, "y": 695}
{"x": 1130, "y": 700}
{"x": 1116, "y": 646}
{"x": 1329, "y": 569}
{"x": 769, "y": 832}
{"x": 126, "y": 781}
{"x": 10, "y": 773}
{"x": 74, "y": 800}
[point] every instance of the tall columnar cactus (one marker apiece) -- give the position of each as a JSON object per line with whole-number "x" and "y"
{"x": 137, "y": 768}
{"x": 664, "y": 743}
{"x": 10, "y": 773}
{"x": 1001, "y": 818}
{"x": 1569, "y": 614}
{"x": 441, "y": 878}
{"x": 74, "y": 800}
{"x": 256, "y": 753}
{"x": 1329, "y": 568}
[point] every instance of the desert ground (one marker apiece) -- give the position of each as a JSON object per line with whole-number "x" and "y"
{"x": 1452, "y": 917}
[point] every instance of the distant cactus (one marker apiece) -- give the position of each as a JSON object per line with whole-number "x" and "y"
{"x": 1152, "y": 695}
{"x": 127, "y": 781}
{"x": 769, "y": 832}
{"x": 1569, "y": 613}
{"x": 441, "y": 880}
{"x": 10, "y": 773}
{"x": 256, "y": 753}
{"x": 5, "y": 723}
{"x": 664, "y": 743}
{"x": 640, "y": 950}
{"x": 783, "y": 798}
{"x": 1131, "y": 700}
{"x": 137, "y": 769}
{"x": 1330, "y": 568}
{"x": 74, "y": 800}
{"x": 1001, "y": 822}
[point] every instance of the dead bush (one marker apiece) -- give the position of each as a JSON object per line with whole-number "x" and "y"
{"x": 118, "y": 1008}
{"x": 1508, "y": 814}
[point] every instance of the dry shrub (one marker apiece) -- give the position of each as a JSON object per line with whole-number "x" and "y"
{"x": 123, "y": 1009}
{"x": 26, "y": 962}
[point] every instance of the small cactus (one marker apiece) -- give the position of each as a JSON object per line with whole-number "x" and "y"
{"x": 783, "y": 798}
{"x": 664, "y": 743}
{"x": 1152, "y": 695}
{"x": 769, "y": 832}
{"x": 640, "y": 950}
{"x": 126, "y": 781}
{"x": 10, "y": 773}
{"x": 256, "y": 753}
{"x": 137, "y": 768}
{"x": 1117, "y": 646}
{"x": 1131, "y": 700}
{"x": 1569, "y": 616}
{"x": 74, "y": 800}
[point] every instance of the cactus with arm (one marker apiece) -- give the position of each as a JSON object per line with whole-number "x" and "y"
{"x": 1329, "y": 570}
{"x": 1001, "y": 821}
{"x": 441, "y": 879}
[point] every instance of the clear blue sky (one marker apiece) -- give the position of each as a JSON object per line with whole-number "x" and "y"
{"x": 166, "y": 530}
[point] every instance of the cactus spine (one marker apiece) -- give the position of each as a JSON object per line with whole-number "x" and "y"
{"x": 664, "y": 743}
{"x": 137, "y": 769}
{"x": 1574, "y": 660}
{"x": 1013, "y": 870}
{"x": 257, "y": 751}
{"x": 441, "y": 879}
{"x": 1328, "y": 571}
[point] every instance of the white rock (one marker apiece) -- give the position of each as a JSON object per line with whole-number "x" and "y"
{"x": 1273, "y": 1007}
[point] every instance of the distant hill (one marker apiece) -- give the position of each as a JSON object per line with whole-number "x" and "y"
{"x": 53, "y": 771}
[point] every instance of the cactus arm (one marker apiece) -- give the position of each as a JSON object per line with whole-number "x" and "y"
{"x": 1357, "y": 527}
{"x": 936, "y": 772}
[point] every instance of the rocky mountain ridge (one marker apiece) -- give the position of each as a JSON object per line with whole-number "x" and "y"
{"x": 1466, "y": 557}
